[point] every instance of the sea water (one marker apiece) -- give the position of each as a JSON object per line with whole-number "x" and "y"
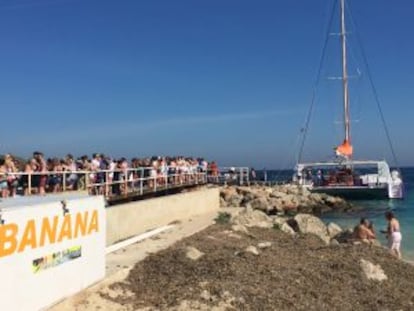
{"x": 374, "y": 210}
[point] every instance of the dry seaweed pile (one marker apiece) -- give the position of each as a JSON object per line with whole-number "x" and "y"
{"x": 289, "y": 273}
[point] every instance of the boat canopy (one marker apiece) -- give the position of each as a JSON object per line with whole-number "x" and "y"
{"x": 382, "y": 167}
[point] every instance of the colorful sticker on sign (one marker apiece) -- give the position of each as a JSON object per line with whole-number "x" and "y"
{"x": 56, "y": 259}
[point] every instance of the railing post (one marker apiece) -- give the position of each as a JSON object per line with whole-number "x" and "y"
{"x": 29, "y": 183}
{"x": 64, "y": 181}
{"x": 126, "y": 182}
{"x": 240, "y": 176}
{"x": 141, "y": 182}
{"x": 106, "y": 183}
{"x": 87, "y": 182}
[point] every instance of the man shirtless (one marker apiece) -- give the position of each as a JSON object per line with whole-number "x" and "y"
{"x": 364, "y": 230}
{"x": 393, "y": 234}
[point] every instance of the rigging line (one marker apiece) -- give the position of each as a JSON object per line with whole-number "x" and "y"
{"x": 304, "y": 130}
{"x": 289, "y": 157}
{"x": 375, "y": 93}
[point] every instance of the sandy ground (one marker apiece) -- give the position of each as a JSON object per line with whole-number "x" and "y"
{"x": 119, "y": 264}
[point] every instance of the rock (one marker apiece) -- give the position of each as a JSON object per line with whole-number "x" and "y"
{"x": 372, "y": 272}
{"x": 285, "y": 198}
{"x": 313, "y": 225}
{"x": 231, "y": 197}
{"x": 278, "y": 194}
{"x": 334, "y": 242}
{"x": 375, "y": 242}
{"x": 239, "y": 228}
{"x": 235, "y": 200}
{"x": 252, "y": 218}
{"x": 227, "y": 192}
{"x": 333, "y": 229}
{"x": 275, "y": 205}
{"x": 234, "y": 236}
{"x": 264, "y": 245}
{"x": 288, "y": 229}
{"x": 205, "y": 294}
{"x": 260, "y": 204}
{"x": 345, "y": 236}
{"x": 252, "y": 249}
{"x": 193, "y": 253}
{"x": 279, "y": 220}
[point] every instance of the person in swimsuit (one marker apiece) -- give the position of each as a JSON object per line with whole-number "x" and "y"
{"x": 393, "y": 234}
{"x": 364, "y": 231}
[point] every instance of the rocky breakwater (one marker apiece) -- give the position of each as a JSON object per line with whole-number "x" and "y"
{"x": 281, "y": 199}
{"x": 330, "y": 234}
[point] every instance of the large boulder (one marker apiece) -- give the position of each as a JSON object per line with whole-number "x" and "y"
{"x": 306, "y": 224}
{"x": 333, "y": 229}
{"x": 252, "y": 218}
{"x": 288, "y": 229}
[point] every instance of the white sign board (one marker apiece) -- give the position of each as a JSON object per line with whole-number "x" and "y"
{"x": 50, "y": 248}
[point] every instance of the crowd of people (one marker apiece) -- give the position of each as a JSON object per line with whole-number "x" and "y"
{"x": 98, "y": 174}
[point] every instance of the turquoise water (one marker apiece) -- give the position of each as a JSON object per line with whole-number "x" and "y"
{"x": 374, "y": 210}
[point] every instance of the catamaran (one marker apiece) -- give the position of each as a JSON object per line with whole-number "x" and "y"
{"x": 344, "y": 176}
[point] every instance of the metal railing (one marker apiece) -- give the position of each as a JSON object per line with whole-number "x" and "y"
{"x": 231, "y": 176}
{"x": 123, "y": 182}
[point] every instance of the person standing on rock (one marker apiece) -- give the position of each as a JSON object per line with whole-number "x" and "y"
{"x": 393, "y": 234}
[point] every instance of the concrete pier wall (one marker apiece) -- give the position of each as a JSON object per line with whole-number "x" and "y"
{"x": 126, "y": 220}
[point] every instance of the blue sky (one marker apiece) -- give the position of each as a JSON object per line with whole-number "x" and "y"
{"x": 230, "y": 80}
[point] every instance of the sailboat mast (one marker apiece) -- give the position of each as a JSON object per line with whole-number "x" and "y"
{"x": 345, "y": 74}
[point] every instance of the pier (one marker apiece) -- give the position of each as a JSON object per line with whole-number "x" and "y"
{"x": 119, "y": 186}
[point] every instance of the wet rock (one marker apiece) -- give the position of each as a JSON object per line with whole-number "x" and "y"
{"x": 372, "y": 272}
